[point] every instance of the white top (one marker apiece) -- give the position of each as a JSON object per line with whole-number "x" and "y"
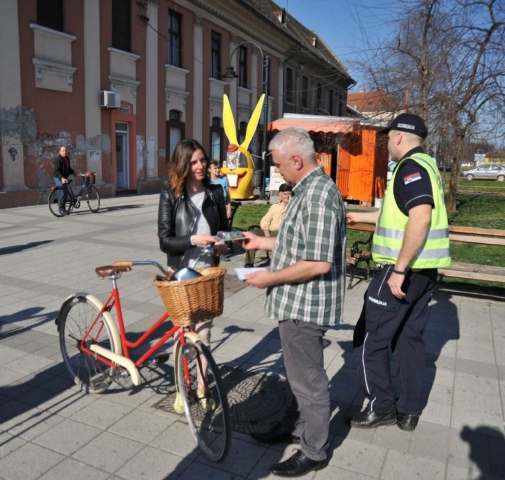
{"x": 203, "y": 227}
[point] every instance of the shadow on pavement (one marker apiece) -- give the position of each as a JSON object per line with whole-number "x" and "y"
{"x": 7, "y": 329}
{"x": 470, "y": 290}
{"x": 119, "y": 207}
{"x": 487, "y": 447}
{"x": 442, "y": 328}
{"x": 20, "y": 248}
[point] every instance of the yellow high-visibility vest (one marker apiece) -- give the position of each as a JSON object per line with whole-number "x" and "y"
{"x": 390, "y": 229}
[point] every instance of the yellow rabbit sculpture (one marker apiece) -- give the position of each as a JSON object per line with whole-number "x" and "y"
{"x": 239, "y": 177}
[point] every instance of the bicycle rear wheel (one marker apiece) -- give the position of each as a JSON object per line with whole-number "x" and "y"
{"x": 92, "y": 198}
{"x": 54, "y": 206}
{"x": 76, "y": 318}
{"x": 205, "y": 406}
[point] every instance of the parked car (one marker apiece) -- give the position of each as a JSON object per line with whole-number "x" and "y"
{"x": 489, "y": 171}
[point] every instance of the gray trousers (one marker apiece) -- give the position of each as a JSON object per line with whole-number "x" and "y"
{"x": 308, "y": 417}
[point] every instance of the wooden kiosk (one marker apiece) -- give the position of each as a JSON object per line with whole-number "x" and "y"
{"x": 350, "y": 150}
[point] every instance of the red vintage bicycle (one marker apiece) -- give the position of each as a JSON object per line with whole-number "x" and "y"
{"x": 96, "y": 351}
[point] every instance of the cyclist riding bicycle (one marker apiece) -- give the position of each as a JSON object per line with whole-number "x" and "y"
{"x": 62, "y": 170}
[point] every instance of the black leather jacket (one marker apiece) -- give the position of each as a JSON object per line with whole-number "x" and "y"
{"x": 62, "y": 169}
{"x": 176, "y": 218}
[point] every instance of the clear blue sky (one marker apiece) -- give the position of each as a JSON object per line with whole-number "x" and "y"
{"x": 351, "y": 28}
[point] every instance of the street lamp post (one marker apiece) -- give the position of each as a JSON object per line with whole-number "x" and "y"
{"x": 230, "y": 75}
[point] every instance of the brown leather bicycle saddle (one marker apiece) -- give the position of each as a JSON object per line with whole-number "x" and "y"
{"x": 108, "y": 270}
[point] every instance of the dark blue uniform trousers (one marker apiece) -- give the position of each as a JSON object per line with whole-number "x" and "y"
{"x": 308, "y": 416}
{"x": 386, "y": 320}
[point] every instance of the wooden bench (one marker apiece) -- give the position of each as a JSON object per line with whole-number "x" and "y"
{"x": 457, "y": 234}
{"x": 359, "y": 252}
{"x": 474, "y": 271}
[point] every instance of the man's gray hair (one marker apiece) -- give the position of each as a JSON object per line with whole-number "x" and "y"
{"x": 294, "y": 141}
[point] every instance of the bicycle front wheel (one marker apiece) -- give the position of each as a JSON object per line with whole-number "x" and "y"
{"x": 204, "y": 398}
{"x": 54, "y": 206}
{"x": 92, "y": 198}
{"x": 76, "y": 319}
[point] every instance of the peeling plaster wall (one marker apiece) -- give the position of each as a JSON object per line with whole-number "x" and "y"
{"x": 18, "y": 121}
{"x": 37, "y": 150}
{"x": 99, "y": 143}
{"x": 141, "y": 153}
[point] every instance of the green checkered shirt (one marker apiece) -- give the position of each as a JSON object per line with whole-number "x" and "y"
{"x": 313, "y": 229}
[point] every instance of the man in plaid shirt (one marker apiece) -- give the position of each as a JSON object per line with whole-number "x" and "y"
{"x": 305, "y": 294}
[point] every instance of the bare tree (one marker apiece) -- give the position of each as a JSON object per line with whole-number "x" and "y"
{"x": 447, "y": 63}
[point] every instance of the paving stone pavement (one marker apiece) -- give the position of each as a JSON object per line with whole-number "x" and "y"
{"x": 51, "y": 430}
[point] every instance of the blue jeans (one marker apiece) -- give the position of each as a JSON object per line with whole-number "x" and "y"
{"x": 61, "y": 193}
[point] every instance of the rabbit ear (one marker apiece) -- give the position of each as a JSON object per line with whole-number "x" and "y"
{"x": 229, "y": 122}
{"x": 253, "y": 123}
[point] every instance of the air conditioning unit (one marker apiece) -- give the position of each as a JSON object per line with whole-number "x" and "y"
{"x": 110, "y": 99}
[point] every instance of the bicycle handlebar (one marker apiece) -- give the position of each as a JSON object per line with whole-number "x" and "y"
{"x": 123, "y": 263}
{"x": 130, "y": 263}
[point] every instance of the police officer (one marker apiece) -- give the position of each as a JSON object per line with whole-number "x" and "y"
{"x": 411, "y": 241}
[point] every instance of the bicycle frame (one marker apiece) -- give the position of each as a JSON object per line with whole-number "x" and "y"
{"x": 68, "y": 187}
{"x": 96, "y": 353}
{"x": 114, "y": 302}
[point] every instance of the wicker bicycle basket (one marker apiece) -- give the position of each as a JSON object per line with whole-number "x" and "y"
{"x": 196, "y": 300}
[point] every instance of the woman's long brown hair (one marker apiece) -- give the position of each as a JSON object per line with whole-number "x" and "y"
{"x": 178, "y": 165}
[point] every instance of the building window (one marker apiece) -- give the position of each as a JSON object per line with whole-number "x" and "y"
{"x": 242, "y": 67}
{"x": 340, "y": 110}
{"x": 289, "y": 85}
{"x": 305, "y": 92}
{"x": 331, "y": 104}
{"x": 174, "y": 39}
{"x": 319, "y": 96}
{"x": 242, "y": 132}
{"x": 50, "y": 14}
{"x": 216, "y": 56}
{"x": 121, "y": 25}
{"x": 216, "y": 139}
{"x": 175, "y": 130}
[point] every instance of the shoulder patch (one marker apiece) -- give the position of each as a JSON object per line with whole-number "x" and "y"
{"x": 413, "y": 177}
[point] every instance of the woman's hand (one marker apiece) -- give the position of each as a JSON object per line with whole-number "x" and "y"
{"x": 202, "y": 240}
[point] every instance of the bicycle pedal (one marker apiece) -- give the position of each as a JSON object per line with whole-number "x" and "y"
{"x": 161, "y": 358}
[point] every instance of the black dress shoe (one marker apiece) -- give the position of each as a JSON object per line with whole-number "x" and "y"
{"x": 298, "y": 465}
{"x": 373, "y": 418}
{"x": 248, "y": 265}
{"x": 276, "y": 434}
{"x": 407, "y": 422}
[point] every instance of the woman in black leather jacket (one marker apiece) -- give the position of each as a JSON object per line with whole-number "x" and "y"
{"x": 191, "y": 212}
{"x": 191, "y": 209}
